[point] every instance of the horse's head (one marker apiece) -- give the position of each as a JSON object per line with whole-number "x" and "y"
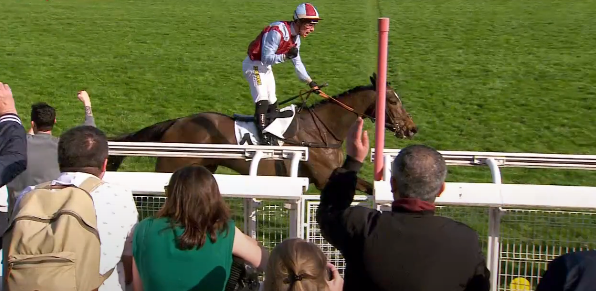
{"x": 397, "y": 119}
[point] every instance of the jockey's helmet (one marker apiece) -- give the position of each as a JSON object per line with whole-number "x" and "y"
{"x": 307, "y": 11}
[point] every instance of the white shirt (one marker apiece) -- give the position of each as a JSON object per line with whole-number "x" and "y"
{"x": 3, "y": 199}
{"x": 117, "y": 216}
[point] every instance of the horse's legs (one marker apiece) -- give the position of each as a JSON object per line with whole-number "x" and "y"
{"x": 170, "y": 165}
{"x": 212, "y": 168}
{"x": 364, "y": 186}
{"x": 319, "y": 169}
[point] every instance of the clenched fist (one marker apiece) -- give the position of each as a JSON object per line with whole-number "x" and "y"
{"x": 84, "y": 97}
{"x": 292, "y": 53}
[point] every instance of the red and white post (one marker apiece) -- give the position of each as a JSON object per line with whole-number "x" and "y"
{"x": 381, "y": 92}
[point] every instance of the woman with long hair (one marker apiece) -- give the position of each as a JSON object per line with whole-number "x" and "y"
{"x": 188, "y": 244}
{"x": 299, "y": 265}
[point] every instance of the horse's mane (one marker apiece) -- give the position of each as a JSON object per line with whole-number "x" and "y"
{"x": 340, "y": 95}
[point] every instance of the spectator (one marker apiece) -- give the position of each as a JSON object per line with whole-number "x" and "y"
{"x": 408, "y": 248}
{"x": 296, "y": 264}
{"x": 13, "y": 148}
{"x": 189, "y": 243}
{"x": 570, "y": 272}
{"x": 83, "y": 153}
{"x": 42, "y": 147}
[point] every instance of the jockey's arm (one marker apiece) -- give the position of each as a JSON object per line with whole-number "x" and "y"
{"x": 299, "y": 66}
{"x": 270, "y": 43}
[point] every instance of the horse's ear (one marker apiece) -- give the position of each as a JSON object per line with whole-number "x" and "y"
{"x": 373, "y": 79}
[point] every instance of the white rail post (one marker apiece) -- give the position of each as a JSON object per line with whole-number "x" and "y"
{"x": 387, "y": 167}
{"x": 494, "y": 223}
{"x": 296, "y": 156}
{"x": 250, "y": 204}
{"x": 294, "y": 206}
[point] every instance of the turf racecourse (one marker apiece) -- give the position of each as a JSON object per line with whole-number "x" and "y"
{"x": 510, "y": 76}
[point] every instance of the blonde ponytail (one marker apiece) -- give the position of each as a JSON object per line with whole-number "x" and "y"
{"x": 296, "y": 265}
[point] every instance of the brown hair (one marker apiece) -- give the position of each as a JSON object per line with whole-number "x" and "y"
{"x": 296, "y": 265}
{"x": 193, "y": 202}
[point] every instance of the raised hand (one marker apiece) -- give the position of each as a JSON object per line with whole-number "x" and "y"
{"x": 357, "y": 143}
{"x": 337, "y": 282}
{"x": 6, "y": 100}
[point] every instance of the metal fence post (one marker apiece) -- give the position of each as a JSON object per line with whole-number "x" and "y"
{"x": 295, "y": 209}
{"x": 250, "y": 211}
{"x": 494, "y": 224}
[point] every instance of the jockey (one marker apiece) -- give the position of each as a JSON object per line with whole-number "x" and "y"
{"x": 277, "y": 42}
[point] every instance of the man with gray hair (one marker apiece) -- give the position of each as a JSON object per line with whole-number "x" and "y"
{"x": 418, "y": 175}
{"x": 409, "y": 247}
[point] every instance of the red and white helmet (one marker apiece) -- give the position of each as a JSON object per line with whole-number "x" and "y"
{"x": 307, "y": 11}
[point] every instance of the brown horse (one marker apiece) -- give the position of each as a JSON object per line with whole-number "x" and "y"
{"x": 322, "y": 127}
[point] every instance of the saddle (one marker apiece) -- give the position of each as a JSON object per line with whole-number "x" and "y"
{"x": 290, "y": 132}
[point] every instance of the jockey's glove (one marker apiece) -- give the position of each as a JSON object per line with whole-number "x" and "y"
{"x": 314, "y": 85}
{"x": 292, "y": 53}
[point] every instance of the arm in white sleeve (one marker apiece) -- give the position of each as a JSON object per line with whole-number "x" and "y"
{"x": 269, "y": 47}
{"x": 299, "y": 67}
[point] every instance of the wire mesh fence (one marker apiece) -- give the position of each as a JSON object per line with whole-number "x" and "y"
{"x": 272, "y": 218}
{"x": 528, "y": 238}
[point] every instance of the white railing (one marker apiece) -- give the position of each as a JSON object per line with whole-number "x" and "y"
{"x": 253, "y": 153}
{"x": 523, "y": 160}
{"x": 521, "y": 227}
{"x": 249, "y": 188}
{"x": 497, "y": 196}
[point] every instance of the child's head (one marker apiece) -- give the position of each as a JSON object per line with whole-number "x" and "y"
{"x": 296, "y": 265}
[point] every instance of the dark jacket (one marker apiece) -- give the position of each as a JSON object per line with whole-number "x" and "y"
{"x": 408, "y": 248}
{"x": 574, "y": 271}
{"x": 13, "y": 148}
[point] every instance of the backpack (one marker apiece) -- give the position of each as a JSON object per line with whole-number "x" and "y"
{"x": 52, "y": 242}
{"x": 243, "y": 276}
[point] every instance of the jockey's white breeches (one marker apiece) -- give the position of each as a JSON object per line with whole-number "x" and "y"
{"x": 260, "y": 80}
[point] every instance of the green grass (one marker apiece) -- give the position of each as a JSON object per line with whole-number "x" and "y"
{"x": 511, "y": 76}
{"x": 508, "y": 76}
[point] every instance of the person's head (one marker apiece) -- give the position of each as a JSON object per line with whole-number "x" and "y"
{"x": 419, "y": 172}
{"x": 193, "y": 202}
{"x": 43, "y": 117}
{"x": 296, "y": 265}
{"x": 306, "y": 18}
{"x": 83, "y": 149}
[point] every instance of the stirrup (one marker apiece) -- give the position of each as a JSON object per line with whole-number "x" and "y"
{"x": 266, "y": 139}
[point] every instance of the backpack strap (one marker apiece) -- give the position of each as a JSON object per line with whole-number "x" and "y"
{"x": 90, "y": 184}
{"x": 104, "y": 277}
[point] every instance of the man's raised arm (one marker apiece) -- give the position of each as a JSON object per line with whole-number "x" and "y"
{"x": 84, "y": 97}
{"x": 13, "y": 142}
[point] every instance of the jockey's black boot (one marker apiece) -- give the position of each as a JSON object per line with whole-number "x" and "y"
{"x": 261, "y": 109}
{"x": 272, "y": 113}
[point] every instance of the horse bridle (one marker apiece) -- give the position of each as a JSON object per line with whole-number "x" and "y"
{"x": 395, "y": 127}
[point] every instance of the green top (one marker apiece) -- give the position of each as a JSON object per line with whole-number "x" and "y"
{"x": 162, "y": 266}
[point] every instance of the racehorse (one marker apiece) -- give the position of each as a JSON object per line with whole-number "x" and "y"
{"x": 322, "y": 127}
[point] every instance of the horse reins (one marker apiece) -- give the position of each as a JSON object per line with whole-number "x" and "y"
{"x": 395, "y": 126}
{"x": 344, "y": 106}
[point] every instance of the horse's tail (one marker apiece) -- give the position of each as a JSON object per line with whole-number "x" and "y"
{"x": 152, "y": 133}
